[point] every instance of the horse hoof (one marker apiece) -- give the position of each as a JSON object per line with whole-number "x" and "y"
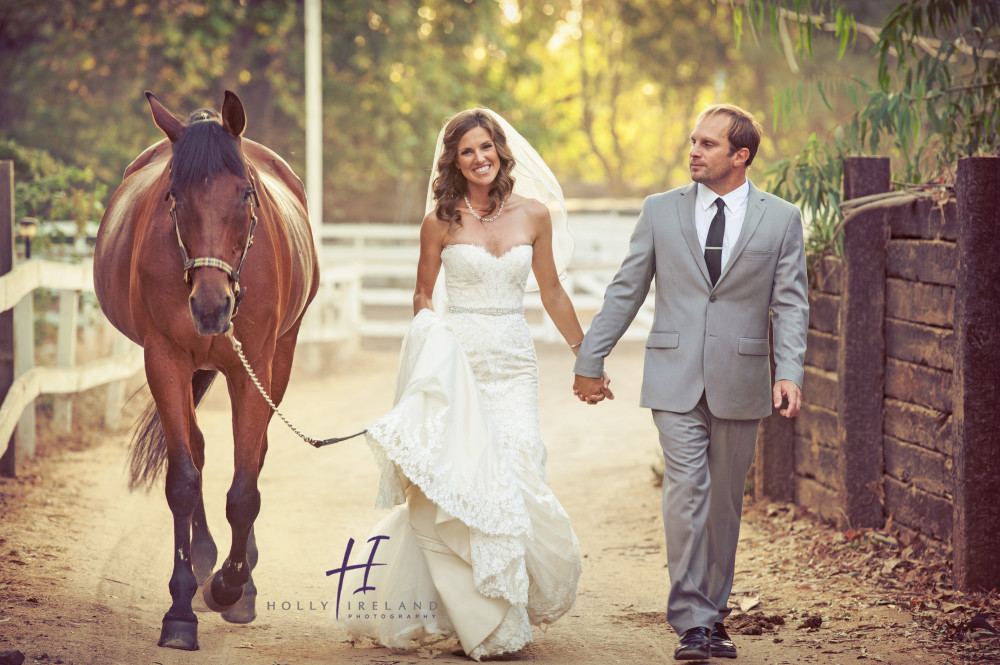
{"x": 209, "y": 596}
{"x": 177, "y": 634}
{"x": 243, "y": 611}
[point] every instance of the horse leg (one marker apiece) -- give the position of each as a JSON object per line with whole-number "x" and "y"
{"x": 174, "y": 405}
{"x": 250, "y": 417}
{"x": 204, "y": 553}
{"x": 245, "y": 609}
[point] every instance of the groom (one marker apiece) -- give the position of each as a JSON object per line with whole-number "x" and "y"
{"x": 727, "y": 259}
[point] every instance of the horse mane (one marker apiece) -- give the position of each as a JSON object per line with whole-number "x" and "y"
{"x": 204, "y": 150}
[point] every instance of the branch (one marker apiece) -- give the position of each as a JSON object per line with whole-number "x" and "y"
{"x": 930, "y": 45}
{"x": 964, "y": 88}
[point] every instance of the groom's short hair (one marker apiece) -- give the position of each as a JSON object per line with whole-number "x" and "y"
{"x": 744, "y": 131}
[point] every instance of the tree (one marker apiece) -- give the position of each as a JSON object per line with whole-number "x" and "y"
{"x": 74, "y": 72}
{"x": 936, "y": 96}
{"x": 396, "y": 71}
{"x": 605, "y": 89}
{"x": 51, "y": 190}
{"x": 624, "y": 80}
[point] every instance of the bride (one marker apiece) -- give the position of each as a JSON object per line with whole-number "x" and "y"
{"x": 478, "y": 547}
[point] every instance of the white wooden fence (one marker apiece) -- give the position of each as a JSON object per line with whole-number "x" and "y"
{"x": 367, "y": 274}
{"x": 66, "y": 377}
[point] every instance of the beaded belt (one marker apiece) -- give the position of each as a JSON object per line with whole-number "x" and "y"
{"x": 489, "y": 311}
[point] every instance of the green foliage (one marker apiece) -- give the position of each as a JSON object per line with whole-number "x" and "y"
{"x": 397, "y": 71}
{"x": 812, "y": 179}
{"x": 605, "y": 89}
{"x": 48, "y": 189}
{"x": 73, "y": 73}
{"x": 936, "y": 98}
{"x": 955, "y": 85}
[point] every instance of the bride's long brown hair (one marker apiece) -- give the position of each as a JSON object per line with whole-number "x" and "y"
{"x": 450, "y": 185}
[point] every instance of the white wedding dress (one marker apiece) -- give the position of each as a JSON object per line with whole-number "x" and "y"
{"x": 479, "y": 547}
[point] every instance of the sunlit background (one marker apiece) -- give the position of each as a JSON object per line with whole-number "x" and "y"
{"x": 605, "y": 89}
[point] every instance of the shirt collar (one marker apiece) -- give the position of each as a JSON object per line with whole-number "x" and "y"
{"x": 706, "y": 197}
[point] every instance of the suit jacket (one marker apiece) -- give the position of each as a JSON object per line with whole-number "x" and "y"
{"x": 705, "y": 339}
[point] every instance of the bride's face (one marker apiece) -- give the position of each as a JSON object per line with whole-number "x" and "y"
{"x": 477, "y": 157}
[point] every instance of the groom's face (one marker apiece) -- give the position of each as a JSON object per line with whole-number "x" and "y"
{"x": 709, "y": 159}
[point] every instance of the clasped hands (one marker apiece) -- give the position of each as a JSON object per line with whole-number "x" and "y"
{"x": 591, "y": 390}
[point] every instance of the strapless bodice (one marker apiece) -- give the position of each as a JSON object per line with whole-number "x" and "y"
{"x": 479, "y": 280}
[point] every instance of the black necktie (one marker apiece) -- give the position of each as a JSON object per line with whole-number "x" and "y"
{"x": 713, "y": 243}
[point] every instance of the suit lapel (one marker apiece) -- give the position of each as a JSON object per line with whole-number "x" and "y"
{"x": 685, "y": 212}
{"x": 755, "y": 213}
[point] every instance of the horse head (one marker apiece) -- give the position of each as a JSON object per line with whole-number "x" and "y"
{"x": 212, "y": 194}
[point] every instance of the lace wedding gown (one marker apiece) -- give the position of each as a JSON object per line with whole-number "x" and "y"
{"x": 479, "y": 547}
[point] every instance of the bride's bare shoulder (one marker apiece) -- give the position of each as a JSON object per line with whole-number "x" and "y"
{"x": 537, "y": 215}
{"x": 432, "y": 220}
{"x": 532, "y": 208}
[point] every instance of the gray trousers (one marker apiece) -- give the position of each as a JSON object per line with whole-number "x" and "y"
{"x": 706, "y": 460}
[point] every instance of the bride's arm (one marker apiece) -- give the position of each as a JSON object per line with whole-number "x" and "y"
{"x": 432, "y": 235}
{"x": 555, "y": 300}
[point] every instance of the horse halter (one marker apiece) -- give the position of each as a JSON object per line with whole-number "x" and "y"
{"x": 212, "y": 262}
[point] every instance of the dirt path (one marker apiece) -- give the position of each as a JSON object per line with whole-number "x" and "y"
{"x": 84, "y": 564}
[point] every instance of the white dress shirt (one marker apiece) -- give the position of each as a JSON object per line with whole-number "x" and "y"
{"x": 736, "y": 212}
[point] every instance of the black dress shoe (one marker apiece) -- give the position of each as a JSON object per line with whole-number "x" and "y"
{"x": 722, "y": 646}
{"x": 695, "y": 645}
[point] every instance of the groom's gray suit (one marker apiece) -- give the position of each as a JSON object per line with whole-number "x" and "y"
{"x": 707, "y": 372}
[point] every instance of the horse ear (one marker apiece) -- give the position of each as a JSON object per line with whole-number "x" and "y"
{"x": 168, "y": 123}
{"x": 234, "y": 118}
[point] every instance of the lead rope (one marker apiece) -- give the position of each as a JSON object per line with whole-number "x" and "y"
{"x": 317, "y": 443}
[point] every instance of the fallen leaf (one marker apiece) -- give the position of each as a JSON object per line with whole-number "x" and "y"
{"x": 890, "y": 565}
{"x": 747, "y": 603}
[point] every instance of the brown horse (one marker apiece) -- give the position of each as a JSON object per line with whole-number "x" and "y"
{"x": 237, "y": 207}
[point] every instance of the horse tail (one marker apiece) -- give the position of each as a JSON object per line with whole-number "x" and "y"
{"x": 147, "y": 453}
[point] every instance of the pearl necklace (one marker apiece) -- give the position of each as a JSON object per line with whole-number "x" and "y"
{"x": 478, "y": 216}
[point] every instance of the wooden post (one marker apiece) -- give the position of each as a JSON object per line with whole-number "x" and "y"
{"x": 24, "y": 360}
{"x": 861, "y": 350}
{"x": 353, "y": 306}
{"x": 115, "y": 396}
{"x": 976, "y": 382}
{"x": 774, "y": 460}
{"x": 861, "y": 366}
{"x": 864, "y": 176}
{"x": 69, "y": 306}
{"x": 7, "y": 318}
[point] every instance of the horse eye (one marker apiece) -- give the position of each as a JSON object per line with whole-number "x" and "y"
{"x": 247, "y": 193}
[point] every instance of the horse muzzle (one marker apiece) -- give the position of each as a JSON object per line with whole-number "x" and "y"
{"x": 212, "y": 305}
